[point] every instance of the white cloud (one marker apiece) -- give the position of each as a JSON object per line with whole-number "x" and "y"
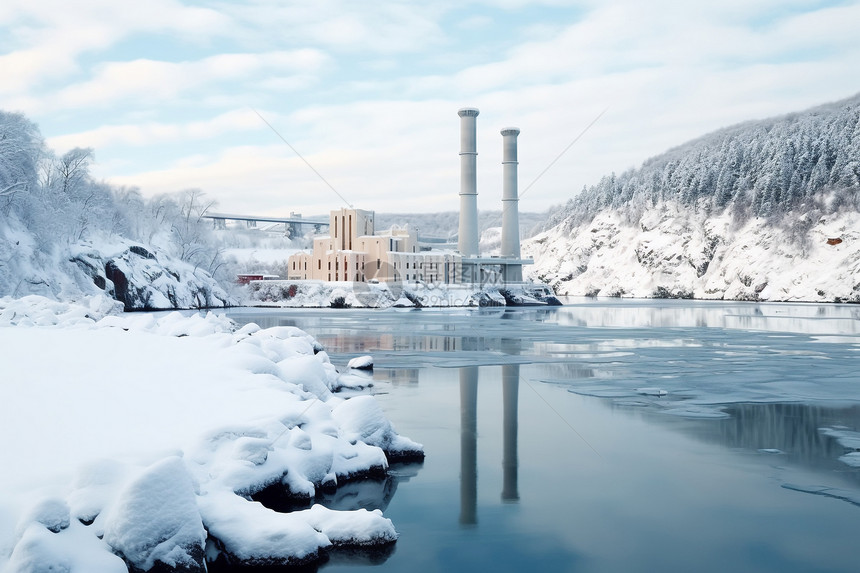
{"x": 155, "y": 133}
{"x": 161, "y": 81}
{"x": 346, "y": 84}
{"x": 343, "y": 25}
{"x": 57, "y": 33}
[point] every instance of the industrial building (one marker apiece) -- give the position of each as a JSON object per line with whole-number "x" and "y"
{"x": 355, "y": 252}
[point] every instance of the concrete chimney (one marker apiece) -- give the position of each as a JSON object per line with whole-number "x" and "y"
{"x": 510, "y": 204}
{"x": 468, "y": 232}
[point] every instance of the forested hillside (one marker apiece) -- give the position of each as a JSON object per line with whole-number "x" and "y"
{"x": 777, "y": 198}
{"x": 63, "y": 234}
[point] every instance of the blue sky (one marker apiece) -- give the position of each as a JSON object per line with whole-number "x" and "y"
{"x": 167, "y": 92}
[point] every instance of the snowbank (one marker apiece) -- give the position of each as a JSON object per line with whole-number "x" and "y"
{"x": 676, "y": 252}
{"x": 133, "y": 435}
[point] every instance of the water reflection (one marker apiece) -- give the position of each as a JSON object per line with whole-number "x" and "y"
{"x": 469, "y": 435}
{"x": 830, "y": 319}
{"x": 469, "y": 445}
{"x": 718, "y": 496}
{"x": 510, "y": 395}
{"x": 792, "y": 431}
{"x": 510, "y": 402}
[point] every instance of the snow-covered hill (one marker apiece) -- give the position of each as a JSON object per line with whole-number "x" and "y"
{"x": 766, "y": 210}
{"x": 673, "y": 252}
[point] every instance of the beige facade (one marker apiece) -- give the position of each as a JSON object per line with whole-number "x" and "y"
{"x": 353, "y": 252}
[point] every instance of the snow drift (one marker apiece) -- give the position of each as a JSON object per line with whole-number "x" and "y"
{"x": 136, "y": 441}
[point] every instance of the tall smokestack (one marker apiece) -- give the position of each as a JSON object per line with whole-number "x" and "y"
{"x": 510, "y": 204}
{"x": 468, "y": 232}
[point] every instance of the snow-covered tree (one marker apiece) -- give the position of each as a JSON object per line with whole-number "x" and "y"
{"x": 20, "y": 149}
{"x": 765, "y": 168}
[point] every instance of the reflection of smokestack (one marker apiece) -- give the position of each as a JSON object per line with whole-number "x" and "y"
{"x": 469, "y": 445}
{"x": 468, "y": 238}
{"x": 510, "y": 391}
{"x": 510, "y": 207}
{"x": 510, "y": 397}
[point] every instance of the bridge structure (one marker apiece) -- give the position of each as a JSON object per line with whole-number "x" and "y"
{"x": 292, "y": 224}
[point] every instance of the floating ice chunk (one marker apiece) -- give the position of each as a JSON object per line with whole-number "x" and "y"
{"x": 852, "y": 459}
{"x": 361, "y": 363}
{"x": 155, "y": 518}
{"x": 652, "y": 391}
{"x": 851, "y": 497}
{"x": 846, "y": 438}
{"x": 770, "y": 451}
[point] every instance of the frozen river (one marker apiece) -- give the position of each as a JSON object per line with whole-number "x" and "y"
{"x": 611, "y": 435}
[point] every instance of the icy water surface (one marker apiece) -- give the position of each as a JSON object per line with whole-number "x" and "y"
{"x": 610, "y": 435}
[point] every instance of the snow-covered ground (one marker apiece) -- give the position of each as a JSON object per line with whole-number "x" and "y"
{"x": 132, "y": 436}
{"x": 672, "y": 251}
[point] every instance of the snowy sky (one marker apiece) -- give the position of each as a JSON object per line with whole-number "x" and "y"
{"x": 167, "y": 91}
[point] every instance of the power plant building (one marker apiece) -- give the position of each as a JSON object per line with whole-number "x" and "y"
{"x": 354, "y": 252}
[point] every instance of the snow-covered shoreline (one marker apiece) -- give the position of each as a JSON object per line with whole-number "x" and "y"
{"x": 323, "y": 294}
{"x": 133, "y": 435}
{"x": 673, "y": 251}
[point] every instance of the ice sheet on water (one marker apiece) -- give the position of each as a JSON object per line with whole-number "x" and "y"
{"x": 848, "y": 439}
{"x": 652, "y": 391}
{"x": 851, "y": 497}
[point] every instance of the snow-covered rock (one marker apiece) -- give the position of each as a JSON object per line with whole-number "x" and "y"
{"x": 166, "y": 434}
{"x": 361, "y": 418}
{"x": 145, "y": 280}
{"x": 155, "y": 519}
{"x": 678, "y": 252}
{"x": 361, "y": 363}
